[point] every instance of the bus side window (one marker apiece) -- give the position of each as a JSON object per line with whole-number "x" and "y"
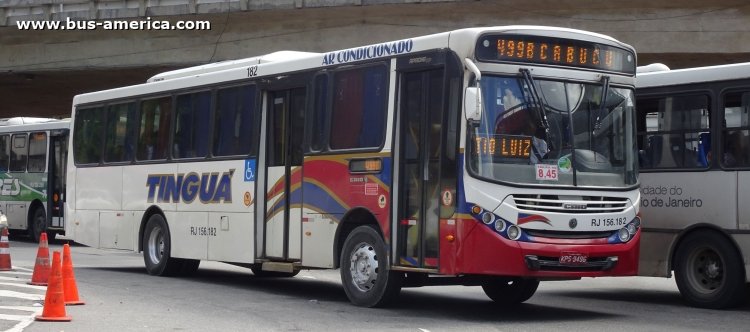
{"x": 18, "y": 154}
{"x": 88, "y": 135}
{"x": 37, "y": 152}
{"x": 653, "y": 150}
{"x": 4, "y": 155}
{"x": 704, "y": 149}
{"x": 191, "y": 126}
{"x": 736, "y": 130}
{"x": 358, "y": 116}
{"x": 154, "y": 131}
{"x": 673, "y": 129}
{"x": 236, "y": 122}
{"x": 318, "y": 114}
{"x": 118, "y": 145}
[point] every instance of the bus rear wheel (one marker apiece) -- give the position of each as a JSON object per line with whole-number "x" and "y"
{"x": 38, "y": 225}
{"x": 365, "y": 272}
{"x": 709, "y": 272}
{"x": 157, "y": 249}
{"x": 510, "y": 291}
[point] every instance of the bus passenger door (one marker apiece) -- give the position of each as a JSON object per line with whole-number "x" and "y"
{"x": 58, "y": 157}
{"x": 283, "y": 210}
{"x": 419, "y": 191}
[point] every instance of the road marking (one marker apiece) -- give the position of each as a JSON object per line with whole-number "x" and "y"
{"x": 13, "y": 317}
{"x": 23, "y": 321}
{"x": 23, "y": 285}
{"x": 17, "y": 272}
{"x": 18, "y": 278}
{"x": 19, "y": 295}
{"x": 20, "y": 308}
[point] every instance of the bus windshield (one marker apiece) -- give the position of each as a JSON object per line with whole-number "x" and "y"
{"x": 538, "y": 131}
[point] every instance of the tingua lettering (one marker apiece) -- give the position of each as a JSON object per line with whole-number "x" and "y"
{"x": 212, "y": 187}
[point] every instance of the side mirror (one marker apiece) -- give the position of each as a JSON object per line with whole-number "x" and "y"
{"x": 473, "y": 104}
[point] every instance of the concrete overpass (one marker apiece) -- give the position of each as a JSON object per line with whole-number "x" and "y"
{"x": 41, "y": 70}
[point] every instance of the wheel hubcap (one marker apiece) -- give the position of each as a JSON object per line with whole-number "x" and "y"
{"x": 364, "y": 267}
{"x": 706, "y": 270}
{"x": 156, "y": 245}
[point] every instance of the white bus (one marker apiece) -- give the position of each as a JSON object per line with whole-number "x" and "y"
{"x": 490, "y": 156}
{"x": 33, "y": 156}
{"x": 694, "y": 142}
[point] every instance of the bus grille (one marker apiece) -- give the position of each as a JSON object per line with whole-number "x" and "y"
{"x": 570, "y": 204}
{"x": 567, "y": 234}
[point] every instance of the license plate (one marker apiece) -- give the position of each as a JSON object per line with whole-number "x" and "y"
{"x": 573, "y": 258}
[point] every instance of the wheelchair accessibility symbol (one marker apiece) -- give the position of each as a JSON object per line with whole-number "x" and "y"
{"x": 249, "y": 170}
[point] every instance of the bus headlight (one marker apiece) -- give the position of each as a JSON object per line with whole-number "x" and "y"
{"x": 514, "y": 232}
{"x": 499, "y": 225}
{"x": 627, "y": 232}
{"x": 488, "y": 218}
{"x": 631, "y": 229}
{"x": 623, "y": 234}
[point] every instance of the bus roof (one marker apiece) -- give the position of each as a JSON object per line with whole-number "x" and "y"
{"x": 693, "y": 75}
{"x": 17, "y": 124}
{"x": 284, "y": 62}
{"x": 229, "y": 64}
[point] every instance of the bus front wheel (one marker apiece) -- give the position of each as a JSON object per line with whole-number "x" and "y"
{"x": 365, "y": 272}
{"x": 157, "y": 248}
{"x": 510, "y": 291}
{"x": 709, "y": 272}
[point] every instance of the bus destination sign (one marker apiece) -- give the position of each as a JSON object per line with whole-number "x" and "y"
{"x": 504, "y": 146}
{"x": 555, "y": 51}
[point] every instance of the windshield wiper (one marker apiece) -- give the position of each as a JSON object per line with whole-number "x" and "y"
{"x": 538, "y": 100}
{"x": 602, "y": 104}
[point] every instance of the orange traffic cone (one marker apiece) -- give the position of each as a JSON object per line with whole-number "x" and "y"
{"x": 54, "y": 299}
{"x": 5, "y": 251}
{"x": 42, "y": 267}
{"x": 69, "y": 279}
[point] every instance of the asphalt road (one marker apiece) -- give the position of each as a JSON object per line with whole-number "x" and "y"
{"x": 121, "y": 296}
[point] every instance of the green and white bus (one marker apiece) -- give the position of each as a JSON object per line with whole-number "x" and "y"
{"x": 32, "y": 170}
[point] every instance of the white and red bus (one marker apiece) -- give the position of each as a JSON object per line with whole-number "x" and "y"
{"x": 488, "y": 156}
